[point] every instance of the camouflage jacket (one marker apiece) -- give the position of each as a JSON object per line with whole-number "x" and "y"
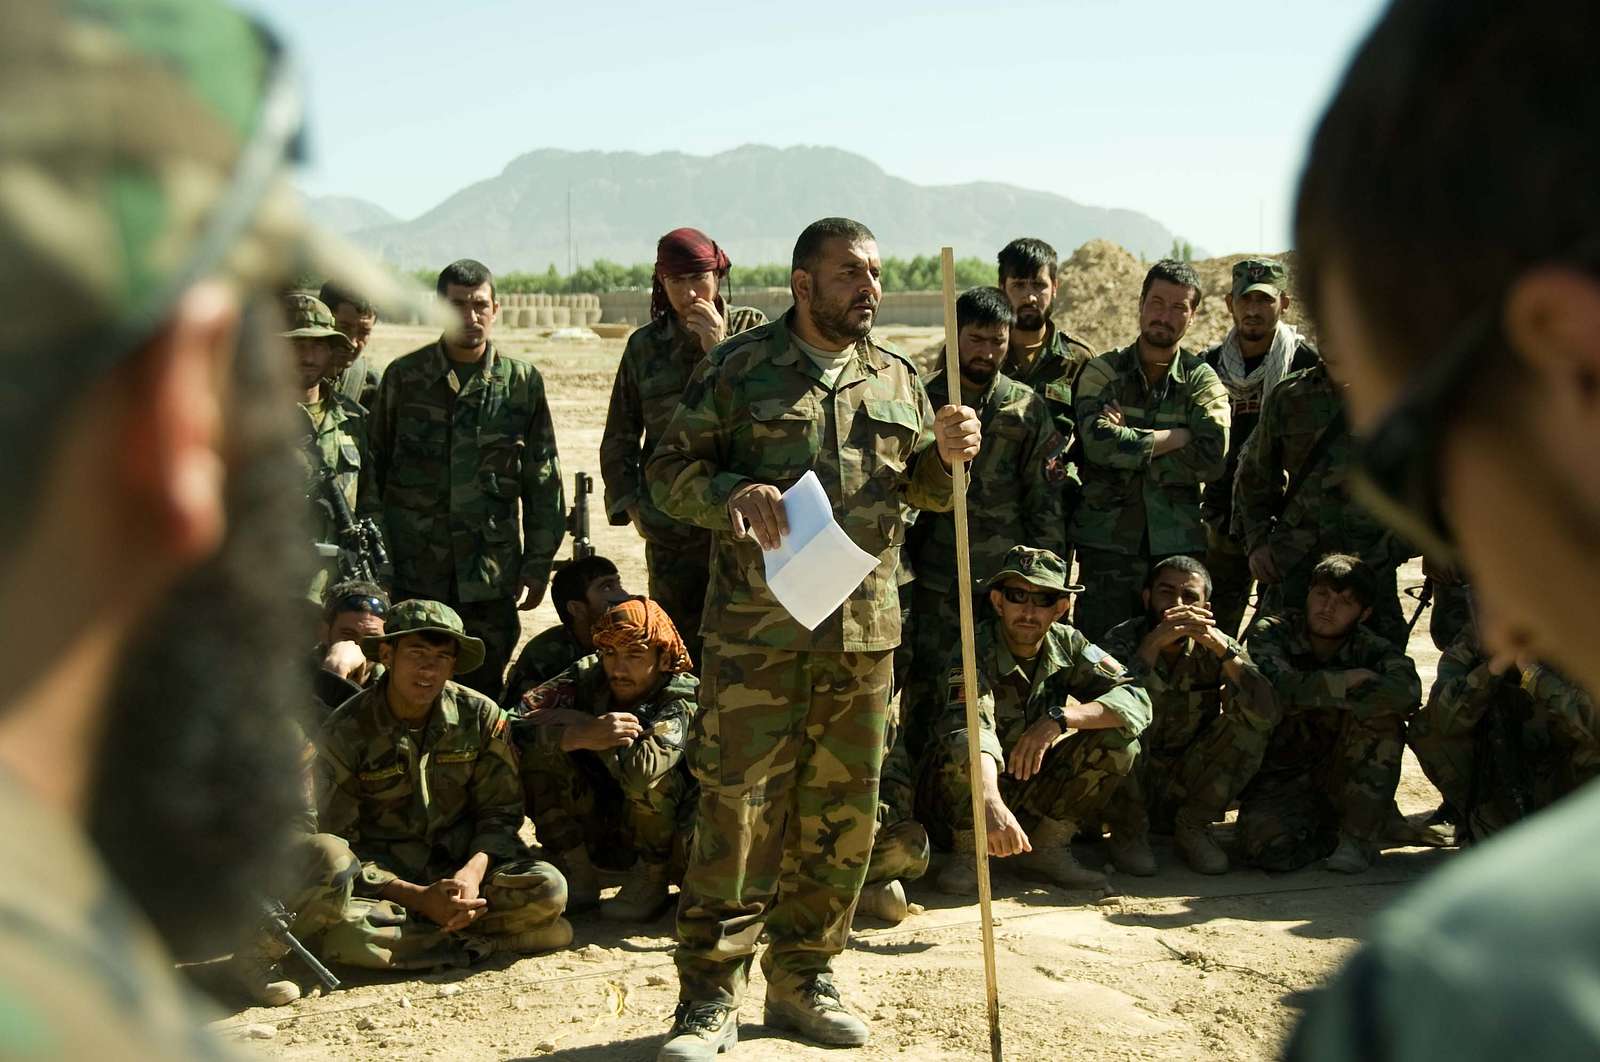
{"x": 1190, "y": 688}
{"x": 340, "y": 441}
{"x": 359, "y": 383}
{"x": 450, "y": 471}
{"x": 1069, "y": 667}
{"x": 1134, "y": 502}
{"x": 547, "y": 654}
{"x": 758, "y": 412}
{"x": 655, "y": 368}
{"x": 1281, "y": 648}
{"x": 1320, "y": 518}
{"x": 1007, "y": 487}
{"x": 666, "y": 716}
{"x": 1217, "y": 504}
{"x": 418, "y": 804}
{"x": 1053, "y": 373}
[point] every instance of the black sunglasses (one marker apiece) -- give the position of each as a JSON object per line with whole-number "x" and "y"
{"x": 360, "y": 603}
{"x": 1038, "y": 598}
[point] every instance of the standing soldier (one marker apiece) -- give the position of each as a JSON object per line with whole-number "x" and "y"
{"x": 1153, "y": 422}
{"x": 1252, "y": 359}
{"x": 461, "y": 440}
{"x": 1291, "y": 504}
{"x": 687, "y": 318}
{"x": 1213, "y": 714}
{"x": 356, "y": 317}
{"x": 789, "y": 740}
{"x": 1008, "y": 485}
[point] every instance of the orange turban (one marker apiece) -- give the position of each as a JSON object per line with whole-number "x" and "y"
{"x": 640, "y": 621}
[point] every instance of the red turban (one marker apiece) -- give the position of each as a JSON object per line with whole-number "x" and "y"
{"x": 639, "y": 621}
{"x": 683, "y": 251}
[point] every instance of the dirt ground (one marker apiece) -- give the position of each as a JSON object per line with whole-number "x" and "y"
{"x": 1177, "y": 966}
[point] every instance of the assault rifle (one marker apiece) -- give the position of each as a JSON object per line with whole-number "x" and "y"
{"x": 578, "y": 518}
{"x": 278, "y": 920}
{"x": 359, "y": 549}
{"x": 1423, "y": 596}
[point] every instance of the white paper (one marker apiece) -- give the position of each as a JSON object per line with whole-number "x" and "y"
{"x": 816, "y": 566}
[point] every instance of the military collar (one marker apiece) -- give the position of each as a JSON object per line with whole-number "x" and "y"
{"x": 1050, "y": 659}
{"x": 1300, "y": 639}
{"x": 1050, "y": 348}
{"x": 784, "y": 350}
{"x": 1176, "y": 372}
{"x": 444, "y": 712}
{"x": 440, "y": 365}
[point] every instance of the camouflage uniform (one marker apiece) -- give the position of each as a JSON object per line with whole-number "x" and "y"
{"x": 1137, "y": 509}
{"x": 337, "y": 433}
{"x": 1333, "y": 763}
{"x": 1053, "y": 373}
{"x": 900, "y": 848}
{"x": 1206, "y": 740}
{"x": 792, "y": 721}
{"x": 1320, "y": 518}
{"x": 655, "y": 368}
{"x": 1079, "y": 774}
{"x": 1500, "y": 747}
{"x": 1226, "y": 558}
{"x": 450, "y": 471}
{"x": 547, "y": 654}
{"x": 1451, "y": 614}
{"x": 416, "y": 806}
{"x": 359, "y": 382}
{"x": 1016, "y": 503}
{"x": 628, "y": 800}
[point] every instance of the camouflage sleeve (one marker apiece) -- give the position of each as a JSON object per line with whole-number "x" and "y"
{"x": 1463, "y": 687}
{"x": 685, "y": 475}
{"x": 544, "y": 502}
{"x": 1398, "y": 690}
{"x": 931, "y": 486}
{"x": 496, "y": 791}
{"x": 1206, "y": 455}
{"x": 645, "y": 762}
{"x": 1258, "y": 483}
{"x": 620, "y": 447}
{"x": 1099, "y": 677}
{"x": 1122, "y": 642}
{"x": 1252, "y": 698}
{"x": 1104, "y": 443}
{"x": 1297, "y": 690}
{"x": 1044, "y": 521}
{"x": 376, "y": 462}
{"x": 339, "y": 806}
{"x": 953, "y": 725}
{"x": 1573, "y": 719}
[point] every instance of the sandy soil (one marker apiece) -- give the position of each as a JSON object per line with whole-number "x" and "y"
{"x": 1177, "y": 966}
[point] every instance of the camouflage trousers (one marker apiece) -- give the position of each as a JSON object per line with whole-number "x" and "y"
{"x": 1341, "y": 781}
{"x": 381, "y": 935}
{"x": 322, "y": 875}
{"x": 787, "y": 749}
{"x": 678, "y": 581}
{"x": 499, "y": 625}
{"x": 935, "y": 632}
{"x": 1452, "y": 611}
{"x": 1112, "y": 584}
{"x": 1204, "y": 774}
{"x": 1077, "y": 778}
{"x": 1231, "y": 580}
{"x": 900, "y": 847}
{"x": 577, "y": 798}
{"x": 1387, "y": 619}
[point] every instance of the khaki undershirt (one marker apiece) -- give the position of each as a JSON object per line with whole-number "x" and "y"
{"x": 830, "y": 363}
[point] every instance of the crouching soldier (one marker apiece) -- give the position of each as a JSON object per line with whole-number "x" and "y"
{"x": 1214, "y": 712}
{"x": 603, "y": 764}
{"x": 900, "y": 848}
{"x": 1060, "y": 718}
{"x": 419, "y": 776}
{"x": 1333, "y": 761}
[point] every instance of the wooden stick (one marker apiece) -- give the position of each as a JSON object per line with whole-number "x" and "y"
{"x": 969, "y": 657}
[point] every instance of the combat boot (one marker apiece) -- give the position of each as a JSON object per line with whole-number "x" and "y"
{"x": 1349, "y": 858}
{"x": 700, "y": 1031}
{"x": 643, "y": 895}
{"x": 550, "y": 937}
{"x": 1130, "y": 853}
{"x": 583, "y": 881}
{"x": 813, "y": 1010}
{"x": 959, "y": 875}
{"x": 1051, "y": 859}
{"x": 1192, "y": 835}
{"x": 261, "y": 980}
{"x": 886, "y": 901}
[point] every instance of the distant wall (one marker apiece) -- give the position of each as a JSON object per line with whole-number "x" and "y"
{"x": 549, "y": 311}
{"x": 916, "y": 308}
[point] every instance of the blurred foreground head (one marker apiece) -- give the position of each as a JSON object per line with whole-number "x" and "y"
{"x": 148, "y": 538}
{"x": 1448, "y": 228}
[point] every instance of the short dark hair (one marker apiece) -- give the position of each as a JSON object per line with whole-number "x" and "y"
{"x": 433, "y": 639}
{"x": 809, "y": 246}
{"x": 571, "y": 583}
{"x": 1174, "y": 272}
{"x": 1398, "y": 191}
{"x": 1181, "y": 562}
{"x": 333, "y": 296}
{"x": 337, "y": 593}
{"x": 984, "y": 306}
{"x": 467, "y": 272}
{"x": 1344, "y": 571}
{"x": 1025, "y": 257}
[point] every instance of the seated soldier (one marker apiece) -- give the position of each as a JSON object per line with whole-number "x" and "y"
{"x": 1213, "y": 713}
{"x": 320, "y": 880}
{"x": 1060, "y": 717}
{"x": 351, "y": 610}
{"x": 1333, "y": 761}
{"x": 1502, "y": 738}
{"x": 418, "y": 774}
{"x": 602, "y": 759}
{"x": 581, "y": 592}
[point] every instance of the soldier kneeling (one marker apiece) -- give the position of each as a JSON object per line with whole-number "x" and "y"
{"x": 603, "y": 764}
{"x": 1060, "y": 717}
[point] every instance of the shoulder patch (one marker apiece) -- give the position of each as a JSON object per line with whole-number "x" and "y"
{"x": 557, "y": 693}
{"x": 1103, "y": 661}
{"x": 669, "y": 730}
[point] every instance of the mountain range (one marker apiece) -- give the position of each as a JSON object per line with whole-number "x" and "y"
{"x": 754, "y": 200}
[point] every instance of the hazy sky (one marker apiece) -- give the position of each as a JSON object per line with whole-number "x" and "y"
{"x": 1195, "y": 113}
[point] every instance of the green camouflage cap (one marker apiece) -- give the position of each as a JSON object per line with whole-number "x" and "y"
{"x": 1259, "y": 274}
{"x": 308, "y": 318}
{"x": 1040, "y": 567}
{"x": 418, "y": 616}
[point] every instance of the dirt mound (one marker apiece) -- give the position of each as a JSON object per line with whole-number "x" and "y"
{"x": 1098, "y": 300}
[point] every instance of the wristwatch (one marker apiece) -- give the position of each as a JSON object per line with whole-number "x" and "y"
{"x": 1230, "y": 652}
{"x": 1059, "y": 714}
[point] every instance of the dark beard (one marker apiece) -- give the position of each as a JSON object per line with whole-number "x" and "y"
{"x": 199, "y": 779}
{"x": 1030, "y": 319}
{"x": 978, "y": 374}
{"x": 833, "y": 321}
{"x": 1159, "y": 344}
